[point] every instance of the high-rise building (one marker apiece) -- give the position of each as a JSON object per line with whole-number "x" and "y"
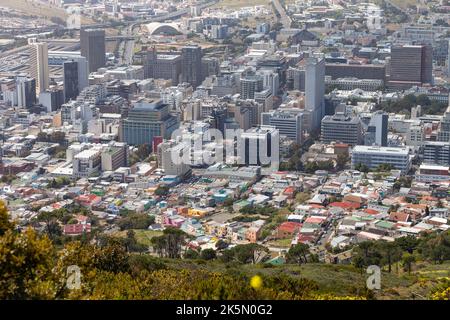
{"x": 167, "y": 150}
{"x": 377, "y": 130}
{"x": 410, "y": 65}
{"x": 87, "y": 162}
{"x": 210, "y": 67}
{"x": 52, "y": 99}
{"x": 26, "y": 92}
{"x": 70, "y": 70}
{"x": 287, "y": 121}
{"x": 114, "y": 156}
{"x": 147, "y": 120}
{"x": 39, "y": 64}
{"x": 250, "y": 85}
{"x": 248, "y": 110}
{"x": 256, "y": 146}
{"x": 315, "y": 91}
{"x": 191, "y": 68}
{"x": 341, "y": 128}
{"x": 92, "y": 42}
{"x": 444, "y": 127}
{"x": 161, "y": 66}
{"x": 436, "y": 152}
{"x": 167, "y": 67}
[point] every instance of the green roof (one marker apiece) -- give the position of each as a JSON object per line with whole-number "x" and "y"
{"x": 385, "y": 224}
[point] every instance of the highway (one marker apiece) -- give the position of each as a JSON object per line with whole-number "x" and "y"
{"x": 126, "y": 46}
{"x": 285, "y": 19}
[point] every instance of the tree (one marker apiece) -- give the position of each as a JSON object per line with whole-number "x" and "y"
{"x": 311, "y": 167}
{"x": 169, "y": 244}
{"x": 408, "y": 243}
{"x": 302, "y": 197}
{"x": 407, "y": 261}
{"x": 362, "y": 167}
{"x": 208, "y": 254}
{"x": 221, "y": 244}
{"x": 162, "y": 190}
{"x": 26, "y": 266}
{"x": 342, "y": 160}
{"x": 143, "y": 151}
{"x": 191, "y": 254}
{"x": 298, "y": 253}
{"x": 135, "y": 221}
{"x": 246, "y": 253}
{"x": 52, "y": 226}
{"x": 367, "y": 253}
{"x": 391, "y": 253}
{"x": 5, "y": 224}
{"x": 384, "y": 167}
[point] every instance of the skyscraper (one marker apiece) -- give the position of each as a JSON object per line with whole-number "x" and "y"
{"x": 191, "y": 68}
{"x": 92, "y": 42}
{"x": 410, "y": 65}
{"x": 147, "y": 120}
{"x": 70, "y": 80}
{"x": 341, "y": 128}
{"x": 377, "y": 130}
{"x": 250, "y": 85}
{"x": 75, "y": 77}
{"x": 39, "y": 64}
{"x": 315, "y": 91}
{"x": 287, "y": 121}
{"x": 26, "y": 92}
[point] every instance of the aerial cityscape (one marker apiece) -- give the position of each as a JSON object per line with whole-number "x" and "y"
{"x": 225, "y": 150}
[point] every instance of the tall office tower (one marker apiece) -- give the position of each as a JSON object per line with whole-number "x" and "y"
{"x": 148, "y": 61}
{"x": 377, "y": 130}
{"x": 256, "y": 146}
{"x": 287, "y": 121}
{"x": 70, "y": 80}
{"x": 271, "y": 80}
{"x": 250, "y": 109}
{"x": 444, "y": 127}
{"x": 296, "y": 79}
{"x": 76, "y": 75}
{"x": 315, "y": 91}
{"x": 52, "y": 99}
{"x": 191, "y": 67}
{"x": 92, "y": 42}
{"x": 341, "y": 128}
{"x": 411, "y": 65}
{"x": 39, "y": 64}
{"x": 26, "y": 92}
{"x": 168, "y": 67}
{"x": 147, "y": 120}
{"x": 210, "y": 67}
{"x": 250, "y": 85}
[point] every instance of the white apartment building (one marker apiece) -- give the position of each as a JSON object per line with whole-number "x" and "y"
{"x": 373, "y": 156}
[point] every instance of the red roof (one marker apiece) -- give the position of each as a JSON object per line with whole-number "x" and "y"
{"x": 289, "y": 226}
{"x": 345, "y": 205}
{"x": 399, "y": 216}
{"x": 305, "y": 238}
{"x": 371, "y": 211}
{"x": 88, "y": 198}
{"x": 289, "y": 190}
{"x": 314, "y": 220}
{"x": 74, "y": 229}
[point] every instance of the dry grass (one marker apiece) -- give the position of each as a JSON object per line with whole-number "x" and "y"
{"x": 235, "y": 4}
{"x": 40, "y": 9}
